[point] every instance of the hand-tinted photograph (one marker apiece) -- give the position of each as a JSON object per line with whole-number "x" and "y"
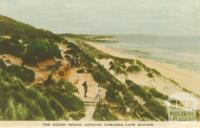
{"x": 100, "y": 60}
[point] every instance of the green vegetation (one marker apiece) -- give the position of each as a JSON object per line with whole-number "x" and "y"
{"x": 121, "y": 96}
{"x": 15, "y": 104}
{"x": 2, "y": 64}
{"x": 133, "y": 69}
{"x": 66, "y": 86}
{"x": 23, "y": 73}
{"x": 12, "y": 46}
{"x": 92, "y": 52}
{"x": 117, "y": 67}
{"x": 41, "y": 50}
{"x": 57, "y": 100}
{"x": 92, "y": 38}
{"x": 152, "y": 104}
{"x": 99, "y": 76}
{"x": 102, "y": 113}
{"x": 111, "y": 94}
{"x": 32, "y": 51}
{"x": 43, "y": 102}
{"x": 27, "y": 42}
{"x": 62, "y": 97}
{"x": 156, "y": 94}
{"x": 23, "y": 31}
{"x": 77, "y": 115}
{"x": 36, "y": 103}
{"x": 77, "y": 57}
{"x": 70, "y": 102}
{"x": 57, "y": 106}
{"x": 150, "y": 75}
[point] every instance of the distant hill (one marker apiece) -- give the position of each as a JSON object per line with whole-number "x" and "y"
{"x": 14, "y": 28}
{"x": 90, "y": 38}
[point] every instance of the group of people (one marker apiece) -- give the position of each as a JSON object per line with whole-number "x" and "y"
{"x": 75, "y": 61}
{"x": 85, "y": 86}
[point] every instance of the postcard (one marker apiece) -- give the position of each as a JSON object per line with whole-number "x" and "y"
{"x": 99, "y": 63}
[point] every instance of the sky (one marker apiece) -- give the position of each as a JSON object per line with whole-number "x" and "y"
{"x": 154, "y": 17}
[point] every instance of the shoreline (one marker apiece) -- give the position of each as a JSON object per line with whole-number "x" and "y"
{"x": 187, "y": 79}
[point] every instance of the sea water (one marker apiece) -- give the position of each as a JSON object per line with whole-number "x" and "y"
{"x": 179, "y": 50}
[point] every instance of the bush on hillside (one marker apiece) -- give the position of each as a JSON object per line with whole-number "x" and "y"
{"x": 155, "y": 93}
{"x": 15, "y": 111}
{"x": 59, "y": 109}
{"x": 150, "y": 75}
{"x": 47, "y": 102}
{"x": 23, "y": 73}
{"x": 24, "y": 31}
{"x": 99, "y": 76}
{"x": 103, "y": 113}
{"x": 111, "y": 94}
{"x": 117, "y": 67}
{"x": 66, "y": 86}
{"x": 70, "y": 102}
{"x": 12, "y": 46}
{"x": 2, "y": 64}
{"x": 43, "y": 102}
{"x": 138, "y": 90}
{"x": 133, "y": 69}
{"x": 40, "y": 50}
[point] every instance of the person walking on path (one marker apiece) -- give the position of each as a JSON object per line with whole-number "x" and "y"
{"x": 85, "y": 88}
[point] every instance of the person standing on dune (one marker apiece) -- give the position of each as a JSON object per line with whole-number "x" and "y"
{"x": 85, "y": 88}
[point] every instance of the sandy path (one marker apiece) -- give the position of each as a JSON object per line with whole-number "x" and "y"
{"x": 10, "y": 59}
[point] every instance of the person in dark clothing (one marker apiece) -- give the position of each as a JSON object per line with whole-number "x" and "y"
{"x": 85, "y": 88}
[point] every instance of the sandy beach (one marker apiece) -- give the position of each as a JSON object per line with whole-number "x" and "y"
{"x": 187, "y": 79}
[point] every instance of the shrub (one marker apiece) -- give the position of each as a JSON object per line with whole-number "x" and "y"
{"x": 156, "y": 72}
{"x": 30, "y": 103}
{"x": 10, "y": 110}
{"x": 155, "y": 93}
{"x": 156, "y": 108}
{"x": 133, "y": 68}
{"x": 136, "y": 89}
{"x": 66, "y": 86}
{"x": 49, "y": 80}
{"x": 3, "y": 98}
{"x": 77, "y": 115}
{"x": 150, "y": 75}
{"x": 70, "y": 102}
{"x": 2, "y": 64}
{"x": 23, "y": 73}
{"x": 103, "y": 113}
{"x": 59, "y": 109}
{"x": 99, "y": 76}
{"x": 153, "y": 105}
{"x": 120, "y": 101}
{"x": 41, "y": 50}
{"x": 12, "y": 46}
{"x": 117, "y": 67}
{"x": 111, "y": 94}
{"x": 43, "y": 103}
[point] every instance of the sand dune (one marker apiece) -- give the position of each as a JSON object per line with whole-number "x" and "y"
{"x": 187, "y": 79}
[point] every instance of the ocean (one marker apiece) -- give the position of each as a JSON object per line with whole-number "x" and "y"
{"x": 184, "y": 52}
